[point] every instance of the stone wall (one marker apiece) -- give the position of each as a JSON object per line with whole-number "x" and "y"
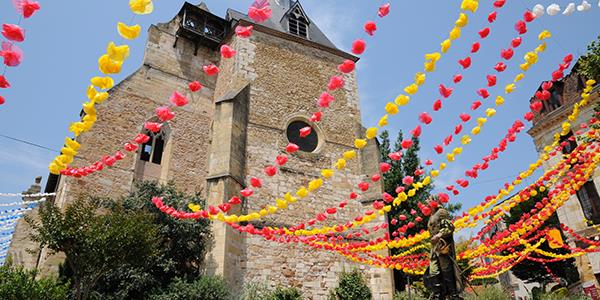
{"x": 285, "y": 78}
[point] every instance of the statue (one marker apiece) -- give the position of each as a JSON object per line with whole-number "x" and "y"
{"x": 443, "y": 277}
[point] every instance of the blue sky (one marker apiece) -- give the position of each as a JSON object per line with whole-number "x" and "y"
{"x": 65, "y": 39}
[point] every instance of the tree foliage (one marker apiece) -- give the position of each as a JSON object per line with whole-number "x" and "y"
{"x": 352, "y": 286}
{"x": 589, "y": 65}
{"x": 407, "y": 166}
{"x": 205, "y": 287}
{"x": 124, "y": 248}
{"x": 530, "y": 271}
{"x": 16, "y": 283}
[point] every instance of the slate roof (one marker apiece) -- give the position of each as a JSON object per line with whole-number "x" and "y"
{"x": 279, "y": 21}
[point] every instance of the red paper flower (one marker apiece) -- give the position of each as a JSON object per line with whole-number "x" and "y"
{"x": 291, "y": 148}
{"x": 13, "y": 32}
{"x": 227, "y": 52}
{"x": 195, "y": 86}
{"x": 270, "y": 171}
{"x": 211, "y": 70}
{"x": 12, "y": 54}
{"x": 26, "y": 7}
{"x": 153, "y": 127}
{"x": 336, "y": 82}
{"x": 475, "y": 47}
{"x": 164, "y": 113}
{"x": 370, "y": 28}
{"x": 384, "y": 10}
{"x": 492, "y": 17}
{"x": 465, "y": 63}
{"x": 178, "y": 99}
{"x": 4, "y": 84}
{"x": 484, "y": 32}
{"x": 304, "y": 132}
{"x": 244, "y": 31}
{"x": 260, "y": 11}
{"x": 358, "y": 47}
{"x": 347, "y": 66}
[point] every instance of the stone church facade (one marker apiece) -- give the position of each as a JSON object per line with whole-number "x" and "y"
{"x": 235, "y": 126}
{"x": 582, "y": 211}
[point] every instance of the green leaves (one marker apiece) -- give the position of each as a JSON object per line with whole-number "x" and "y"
{"x": 17, "y": 283}
{"x": 352, "y": 286}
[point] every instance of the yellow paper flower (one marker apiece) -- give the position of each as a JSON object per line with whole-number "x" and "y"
{"x": 141, "y": 7}
{"x": 340, "y": 164}
{"x": 462, "y": 21}
{"x": 455, "y": 33}
{"x": 117, "y": 53}
{"x": 358, "y": 143}
{"x": 349, "y": 155}
{"x": 420, "y": 78}
{"x": 499, "y": 100}
{"x": 446, "y": 44}
{"x": 524, "y": 66}
{"x": 315, "y": 184}
{"x": 108, "y": 66}
{"x": 490, "y": 112}
{"x": 541, "y": 48}
{"x": 103, "y": 83}
{"x": 531, "y": 58}
{"x": 470, "y": 5}
{"x": 391, "y": 108}
{"x": 402, "y": 100}
{"x": 544, "y": 35}
{"x": 383, "y": 121}
{"x": 95, "y": 96}
{"x": 327, "y": 173}
{"x": 129, "y": 32}
{"x": 510, "y": 88}
{"x": 302, "y": 192}
{"x": 476, "y": 130}
{"x": 411, "y": 89}
{"x": 371, "y": 133}
{"x": 465, "y": 140}
{"x": 194, "y": 207}
{"x": 519, "y": 77}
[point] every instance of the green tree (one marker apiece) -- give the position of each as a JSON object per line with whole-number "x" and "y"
{"x": 16, "y": 283}
{"x": 352, "y": 286}
{"x": 182, "y": 245}
{"x": 94, "y": 243}
{"x": 530, "y": 271}
{"x": 589, "y": 65}
{"x": 407, "y": 166}
{"x": 205, "y": 287}
{"x": 125, "y": 248}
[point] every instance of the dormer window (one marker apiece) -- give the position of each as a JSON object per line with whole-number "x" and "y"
{"x": 298, "y": 23}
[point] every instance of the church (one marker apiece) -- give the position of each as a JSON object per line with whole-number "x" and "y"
{"x": 233, "y": 127}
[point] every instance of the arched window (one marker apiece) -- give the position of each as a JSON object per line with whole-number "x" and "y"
{"x": 590, "y": 202}
{"x": 151, "y": 155}
{"x": 306, "y": 144}
{"x": 298, "y": 24}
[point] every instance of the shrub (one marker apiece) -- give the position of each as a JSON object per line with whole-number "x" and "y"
{"x": 283, "y": 293}
{"x": 261, "y": 291}
{"x": 203, "y": 288}
{"x": 352, "y": 286}
{"x": 490, "y": 293}
{"x": 413, "y": 295}
{"x": 17, "y": 283}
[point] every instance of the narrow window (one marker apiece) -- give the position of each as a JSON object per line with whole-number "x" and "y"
{"x": 590, "y": 202}
{"x": 568, "y": 143}
{"x": 298, "y": 24}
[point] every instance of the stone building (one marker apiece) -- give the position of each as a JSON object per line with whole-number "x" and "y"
{"x": 234, "y": 127}
{"x": 582, "y": 211}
